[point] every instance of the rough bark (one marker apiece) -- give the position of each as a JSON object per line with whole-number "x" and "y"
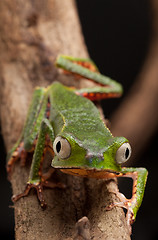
{"x": 32, "y": 33}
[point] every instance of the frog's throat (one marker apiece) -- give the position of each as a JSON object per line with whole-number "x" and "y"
{"x": 91, "y": 173}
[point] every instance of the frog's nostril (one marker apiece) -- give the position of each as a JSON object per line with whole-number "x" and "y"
{"x": 94, "y": 158}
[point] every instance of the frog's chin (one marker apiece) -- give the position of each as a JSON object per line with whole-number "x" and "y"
{"x": 90, "y": 173}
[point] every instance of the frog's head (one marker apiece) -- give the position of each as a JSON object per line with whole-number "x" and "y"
{"x": 71, "y": 153}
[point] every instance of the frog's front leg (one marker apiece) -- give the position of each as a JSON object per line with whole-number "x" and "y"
{"x": 36, "y": 180}
{"x": 139, "y": 176}
{"x": 26, "y": 142}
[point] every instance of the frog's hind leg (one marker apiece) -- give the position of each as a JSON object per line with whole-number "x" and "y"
{"x": 85, "y": 68}
{"x": 67, "y": 63}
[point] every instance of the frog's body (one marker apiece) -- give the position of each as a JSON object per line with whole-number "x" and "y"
{"x": 70, "y": 126}
{"x": 77, "y": 117}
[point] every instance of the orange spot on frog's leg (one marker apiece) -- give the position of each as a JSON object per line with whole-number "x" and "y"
{"x": 87, "y": 64}
{"x": 19, "y": 153}
{"x": 84, "y": 64}
{"x": 96, "y": 96}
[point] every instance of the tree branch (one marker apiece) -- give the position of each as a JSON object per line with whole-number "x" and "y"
{"x": 32, "y": 34}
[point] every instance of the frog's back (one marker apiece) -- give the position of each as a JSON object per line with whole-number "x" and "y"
{"x": 76, "y": 115}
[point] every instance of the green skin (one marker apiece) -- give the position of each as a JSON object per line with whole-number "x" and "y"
{"x": 76, "y": 119}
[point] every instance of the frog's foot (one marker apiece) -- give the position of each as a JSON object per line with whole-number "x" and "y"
{"x": 29, "y": 186}
{"x": 19, "y": 153}
{"x": 124, "y": 203}
{"x": 39, "y": 189}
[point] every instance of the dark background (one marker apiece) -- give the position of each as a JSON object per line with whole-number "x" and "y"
{"x": 117, "y": 34}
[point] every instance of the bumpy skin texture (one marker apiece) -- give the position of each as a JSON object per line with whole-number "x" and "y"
{"x": 58, "y": 111}
{"x": 78, "y": 120}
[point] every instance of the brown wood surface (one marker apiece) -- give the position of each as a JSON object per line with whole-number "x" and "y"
{"x": 32, "y": 34}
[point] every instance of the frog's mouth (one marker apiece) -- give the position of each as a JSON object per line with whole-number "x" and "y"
{"x": 90, "y": 173}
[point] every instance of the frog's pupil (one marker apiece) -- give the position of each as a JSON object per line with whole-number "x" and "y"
{"x": 127, "y": 153}
{"x": 58, "y": 147}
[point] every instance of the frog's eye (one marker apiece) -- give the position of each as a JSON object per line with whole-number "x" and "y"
{"x": 123, "y": 153}
{"x": 62, "y": 147}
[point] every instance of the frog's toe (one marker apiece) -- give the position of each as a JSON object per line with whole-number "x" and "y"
{"x": 50, "y": 184}
{"x": 126, "y": 203}
{"x": 29, "y": 186}
{"x": 39, "y": 189}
